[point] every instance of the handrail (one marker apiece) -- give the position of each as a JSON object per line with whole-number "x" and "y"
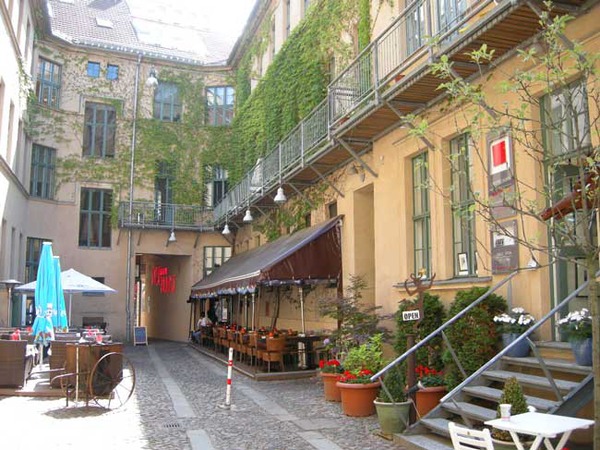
{"x": 423, "y": 342}
{"x": 523, "y": 336}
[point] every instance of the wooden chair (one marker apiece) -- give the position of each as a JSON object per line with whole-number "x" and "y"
{"x": 15, "y": 365}
{"x": 467, "y": 439}
{"x": 274, "y": 352}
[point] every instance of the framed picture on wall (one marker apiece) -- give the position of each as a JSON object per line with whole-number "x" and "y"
{"x": 463, "y": 264}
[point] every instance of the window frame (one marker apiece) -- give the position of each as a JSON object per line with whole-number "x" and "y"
{"x": 463, "y": 215}
{"x": 219, "y": 114}
{"x": 52, "y": 86}
{"x": 32, "y": 257}
{"x": 43, "y": 166}
{"x": 93, "y": 69}
{"x": 421, "y": 216}
{"x": 88, "y": 216}
{"x": 107, "y": 128}
{"x": 222, "y": 249}
{"x": 168, "y": 108}
{"x": 112, "y": 68}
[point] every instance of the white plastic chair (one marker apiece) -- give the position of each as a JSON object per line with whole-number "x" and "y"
{"x": 467, "y": 439}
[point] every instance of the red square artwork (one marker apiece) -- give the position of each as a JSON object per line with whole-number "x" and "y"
{"x": 499, "y": 153}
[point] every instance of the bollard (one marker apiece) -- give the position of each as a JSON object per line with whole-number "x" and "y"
{"x": 227, "y": 404}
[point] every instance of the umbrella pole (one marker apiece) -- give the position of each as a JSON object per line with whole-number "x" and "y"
{"x": 301, "y": 345}
{"x": 253, "y": 316}
{"x": 70, "y": 303}
{"x": 76, "y": 374}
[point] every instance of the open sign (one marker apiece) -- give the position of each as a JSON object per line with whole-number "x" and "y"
{"x": 411, "y": 315}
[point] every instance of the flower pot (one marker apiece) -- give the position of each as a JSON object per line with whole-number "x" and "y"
{"x": 582, "y": 351}
{"x": 331, "y": 391}
{"x": 393, "y": 417}
{"x": 520, "y": 350}
{"x": 428, "y": 398}
{"x": 357, "y": 399}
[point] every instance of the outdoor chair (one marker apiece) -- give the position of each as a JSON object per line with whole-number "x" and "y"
{"x": 274, "y": 352}
{"x": 467, "y": 439}
{"x": 15, "y": 364}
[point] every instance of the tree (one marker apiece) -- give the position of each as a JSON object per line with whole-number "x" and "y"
{"x": 548, "y": 113}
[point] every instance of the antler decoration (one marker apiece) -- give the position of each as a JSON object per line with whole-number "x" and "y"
{"x": 417, "y": 281}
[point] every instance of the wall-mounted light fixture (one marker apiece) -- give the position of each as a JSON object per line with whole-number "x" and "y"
{"x": 248, "y": 217}
{"x": 226, "y": 231}
{"x": 152, "y": 80}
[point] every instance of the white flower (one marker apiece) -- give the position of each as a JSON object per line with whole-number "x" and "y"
{"x": 518, "y": 310}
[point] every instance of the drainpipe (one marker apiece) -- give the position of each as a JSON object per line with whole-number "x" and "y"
{"x": 130, "y": 214}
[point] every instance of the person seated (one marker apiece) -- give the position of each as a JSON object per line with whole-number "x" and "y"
{"x": 202, "y": 322}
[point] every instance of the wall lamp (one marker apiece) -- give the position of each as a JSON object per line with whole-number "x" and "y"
{"x": 280, "y": 197}
{"x": 152, "y": 80}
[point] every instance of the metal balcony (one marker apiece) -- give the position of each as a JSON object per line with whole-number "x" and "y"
{"x": 389, "y": 80}
{"x": 165, "y": 216}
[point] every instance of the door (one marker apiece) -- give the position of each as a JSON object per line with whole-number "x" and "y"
{"x": 163, "y": 194}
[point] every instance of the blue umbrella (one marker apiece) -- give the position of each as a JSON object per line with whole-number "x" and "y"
{"x": 59, "y": 320}
{"x": 45, "y": 297}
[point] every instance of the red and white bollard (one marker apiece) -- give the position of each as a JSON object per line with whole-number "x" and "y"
{"x": 227, "y": 404}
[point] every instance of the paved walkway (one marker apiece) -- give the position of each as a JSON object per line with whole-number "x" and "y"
{"x": 176, "y": 406}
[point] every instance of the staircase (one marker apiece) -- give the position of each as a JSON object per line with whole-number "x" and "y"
{"x": 550, "y": 379}
{"x": 477, "y": 402}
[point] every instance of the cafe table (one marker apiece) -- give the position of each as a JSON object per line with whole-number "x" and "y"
{"x": 542, "y": 426}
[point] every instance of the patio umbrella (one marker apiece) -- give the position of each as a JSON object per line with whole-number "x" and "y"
{"x": 60, "y": 319}
{"x": 45, "y": 298}
{"x": 74, "y": 282}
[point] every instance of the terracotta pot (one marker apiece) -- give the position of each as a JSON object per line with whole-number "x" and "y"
{"x": 428, "y": 398}
{"x": 357, "y": 399}
{"x": 332, "y": 392}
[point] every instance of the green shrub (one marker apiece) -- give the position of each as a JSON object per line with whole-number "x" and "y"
{"x": 433, "y": 317}
{"x": 474, "y": 337}
{"x": 366, "y": 356}
{"x": 511, "y": 394}
{"x": 395, "y": 383}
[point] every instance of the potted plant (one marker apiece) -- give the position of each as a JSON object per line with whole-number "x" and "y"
{"x": 577, "y": 328}
{"x": 391, "y": 404}
{"x": 357, "y": 390}
{"x": 511, "y": 325}
{"x": 330, "y": 370}
{"x": 512, "y": 394}
{"x": 432, "y": 387}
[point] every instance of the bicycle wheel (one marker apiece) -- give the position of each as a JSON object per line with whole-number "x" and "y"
{"x": 112, "y": 381}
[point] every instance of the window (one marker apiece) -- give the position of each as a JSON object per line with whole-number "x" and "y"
{"x": 42, "y": 171}
{"x": 215, "y": 189}
{"x": 112, "y": 72}
{"x": 167, "y": 105}
{"x": 32, "y": 257}
{"x": 93, "y": 69}
{"x": 94, "y": 218}
{"x": 99, "y": 131}
{"x": 415, "y": 27}
{"x": 288, "y": 18}
{"x": 463, "y": 215}
{"x": 219, "y": 105}
{"x": 48, "y": 83}
{"x": 214, "y": 257}
{"x": 566, "y": 120}
{"x": 332, "y": 210}
{"x": 449, "y": 13}
{"x": 421, "y": 215}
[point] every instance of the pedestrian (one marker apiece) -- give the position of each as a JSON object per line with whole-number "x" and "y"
{"x": 202, "y": 323}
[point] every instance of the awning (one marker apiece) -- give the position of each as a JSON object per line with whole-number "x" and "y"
{"x": 308, "y": 256}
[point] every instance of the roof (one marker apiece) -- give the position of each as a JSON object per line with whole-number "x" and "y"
{"x": 126, "y": 26}
{"x": 308, "y": 256}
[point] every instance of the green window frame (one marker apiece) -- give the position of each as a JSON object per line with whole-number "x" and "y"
{"x": 463, "y": 207}
{"x": 32, "y": 257}
{"x": 214, "y": 257}
{"x": 421, "y": 215}
{"x": 43, "y": 170}
{"x": 94, "y": 218}
{"x": 167, "y": 103}
{"x": 219, "y": 105}
{"x": 99, "y": 132}
{"x": 48, "y": 83}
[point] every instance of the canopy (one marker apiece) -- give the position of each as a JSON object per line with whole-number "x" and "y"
{"x": 74, "y": 282}
{"x": 307, "y": 256}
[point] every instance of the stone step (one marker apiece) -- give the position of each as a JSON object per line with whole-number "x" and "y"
{"x": 555, "y": 350}
{"x": 488, "y": 393}
{"x": 530, "y": 380}
{"x": 556, "y": 365}
{"x": 423, "y": 442}
{"x": 473, "y": 411}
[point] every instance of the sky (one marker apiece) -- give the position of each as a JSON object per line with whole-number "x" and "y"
{"x": 227, "y": 17}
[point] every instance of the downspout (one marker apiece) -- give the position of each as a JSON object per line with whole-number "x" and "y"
{"x": 131, "y": 190}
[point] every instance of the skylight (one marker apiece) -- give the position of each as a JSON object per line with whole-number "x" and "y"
{"x": 104, "y": 23}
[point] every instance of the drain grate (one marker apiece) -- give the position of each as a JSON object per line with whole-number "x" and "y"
{"x": 172, "y": 425}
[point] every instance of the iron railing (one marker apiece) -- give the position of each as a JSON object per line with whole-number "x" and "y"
{"x": 401, "y": 46}
{"x": 165, "y": 216}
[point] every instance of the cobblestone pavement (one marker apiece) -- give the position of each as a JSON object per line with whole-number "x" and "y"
{"x": 176, "y": 406}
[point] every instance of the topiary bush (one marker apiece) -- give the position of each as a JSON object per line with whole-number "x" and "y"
{"x": 395, "y": 383}
{"x": 473, "y": 337}
{"x": 512, "y": 394}
{"x": 433, "y": 317}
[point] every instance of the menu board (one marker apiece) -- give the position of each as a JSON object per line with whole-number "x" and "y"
{"x": 139, "y": 336}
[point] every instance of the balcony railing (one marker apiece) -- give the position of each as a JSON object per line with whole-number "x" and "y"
{"x": 400, "y": 48}
{"x": 165, "y": 216}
